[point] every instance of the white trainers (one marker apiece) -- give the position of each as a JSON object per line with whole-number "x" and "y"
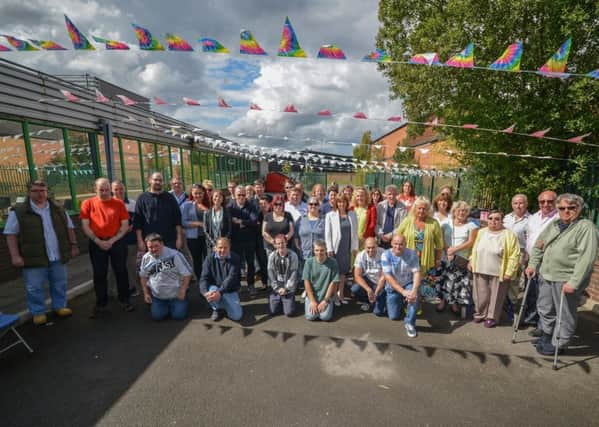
{"x": 365, "y": 307}
{"x": 304, "y": 295}
{"x": 411, "y": 330}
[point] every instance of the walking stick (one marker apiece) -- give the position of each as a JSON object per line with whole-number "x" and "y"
{"x": 559, "y": 325}
{"x": 517, "y": 319}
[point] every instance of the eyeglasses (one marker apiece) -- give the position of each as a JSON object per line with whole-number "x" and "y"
{"x": 542, "y": 202}
{"x": 494, "y": 218}
{"x": 567, "y": 208}
{"x": 277, "y": 204}
{"x": 313, "y": 204}
{"x": 288, "y": 187}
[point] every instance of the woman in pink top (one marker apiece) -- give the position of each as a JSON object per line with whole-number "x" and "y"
{"x": 407, "y": 195}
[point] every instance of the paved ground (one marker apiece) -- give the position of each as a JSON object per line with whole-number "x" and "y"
{"x": 126, "y": 370}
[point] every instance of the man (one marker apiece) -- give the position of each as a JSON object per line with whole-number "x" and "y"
{"x": 40, "y": 237}
{"x": 263, "y": 207}
{"x": 220, "y": 281}
{"x": 244, "y": 233}
{"x": 105, "y": 221}
{"x": 289, "y": 186}
{"x": 158, "y": 212}
{"x": 332, "y": 192}
{"x": 300, "y": 187}
{"x": 294, "y": 205}
{"x": 535, "y": 225}
{"x": 389, "y": 214}
{"x": 118, "y": 191}
{"x": 321, "y": 277}
{"x": 369, "y": 278}
{"x": 401, "y": 268}
{"x": 283, "y": 266}
{"x": 177, "y": 191}
{"x": 231, "y": 186}
{"x": 563, "y": 256}
{"x": 165, "y": 275}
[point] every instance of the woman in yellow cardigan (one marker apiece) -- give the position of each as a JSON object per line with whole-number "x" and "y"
{"x": 494, "y": 264}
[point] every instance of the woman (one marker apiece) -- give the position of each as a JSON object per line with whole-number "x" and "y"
{"x": 494, "y": 263}
{"x": 309, "y": 228}
{"x": 360, "y": 205}
{"x": 407, "y": 196}
{"x": 341, "y": 237}
{"x": 277, "y": 222}
{"x": 192, "y": 218}
{"x": 460, "y": 236}
{"x": 217, "y": 221}
{"x": 375, "y": 197}
{"x": 319, "y": 192}
{"x": 348, "y": 192}
{"x": 442, "y": 209}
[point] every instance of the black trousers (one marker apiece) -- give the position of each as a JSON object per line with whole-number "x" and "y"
{"x": 262, "y": 260}
{"x": 197, "y": 247}
{"x": 117, "y": 256}
{"x": 246, "y": 250}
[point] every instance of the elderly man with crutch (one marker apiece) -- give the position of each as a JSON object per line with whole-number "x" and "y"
{"x": 563, "y": 257}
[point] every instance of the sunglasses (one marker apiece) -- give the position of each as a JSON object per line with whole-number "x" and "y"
{"x": 313, "y": 204}
{"x": 542, "y": 202}
{"x": 277, "y": 204}
{"x": 567, "y": 208}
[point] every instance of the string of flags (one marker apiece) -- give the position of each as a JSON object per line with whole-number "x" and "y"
{"x": 289, "y": 46}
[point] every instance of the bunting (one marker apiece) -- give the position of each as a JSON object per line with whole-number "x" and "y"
{"x": 47, "y": 44}
{"x": 290, "y": 108}
{"x": 378, "y": 55}
{"x": 101, "y": 98}
{"x": 255, "y": 107}
{"x": 4, "y": 48}
{"x": 176, "y": 43}
{"x": 425, "y": 59}
{"x": 510, "y": 59}
{"x": 69, "y": 96}
{"x": 464, "y": 59}
{"x": 125, "y": 100}
{"x": 20, "y": 45}
{"x": 324, "y": 113}
{"x": 191, "y": 102}
{"x": 289, "y": 45}
{"x": 331, "y": 51}
{"x": 80, "y": 42}
{"x": 111, "y": 44}
{"x": 557, "y": 63}
{"x": 359, "y": 115}
{"x": 222, "y": 103}
{"x": 212, "y": 46}
{"x": 594, "y": 74}
{"x": 248, "y": 45}
{"x": 159, "y": 101}
{"x": 146, "y": 40}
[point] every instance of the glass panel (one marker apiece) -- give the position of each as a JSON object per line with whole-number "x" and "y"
{"x": 83, "y": 170}
{"x": 47, "y": 147}
{"x": 116, "y": 160}
{"x": 147, "y": 157}
{"x": 187, "y": 166}
{"x": 163, "y": 164}
{"x": 14, "y": 173}
{"x": 132, "y": 168}
{"x": 199, "y": 169}
{"x": 176, "y": 162}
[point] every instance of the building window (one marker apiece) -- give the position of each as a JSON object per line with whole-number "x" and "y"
{"x": 132, "y": 169}
{"x": 14, "y": 173}
{"x": 164, "y": 164}
{"x": 148, "y": 159}
{"x": 81, "y": 160}
{"x": 116, "y": 160}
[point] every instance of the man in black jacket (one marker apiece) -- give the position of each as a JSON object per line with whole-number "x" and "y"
{"x": 220, "y": 281}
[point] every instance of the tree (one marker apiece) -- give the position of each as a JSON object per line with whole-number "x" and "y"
{"x": 365, "y": 149}
{"x": 498, "y": 99}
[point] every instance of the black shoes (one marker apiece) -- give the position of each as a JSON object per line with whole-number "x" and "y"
{"x": 536, "y": 333}
{"x": 216, "y": 315}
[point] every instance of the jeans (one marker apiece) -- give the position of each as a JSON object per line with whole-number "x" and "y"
{"x": 361, "y": 295}
{"x": 117, "y": 256}
{"x": 161, "y": 308}
{"x": 35, "y": 279}
{"x": 229, "y": 302}
{"x": 325, "y": 316}
{"x": 276, "y": 302}
{"x": 395, "y": 302}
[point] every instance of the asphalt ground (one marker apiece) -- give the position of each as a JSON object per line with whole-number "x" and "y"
{"x": 125, "y": 370}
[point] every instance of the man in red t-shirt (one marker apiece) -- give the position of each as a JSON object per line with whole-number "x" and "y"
{"x": 105, "y": 221}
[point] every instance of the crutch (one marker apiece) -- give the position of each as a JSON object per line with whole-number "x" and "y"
{"x": 559, "y": 325}
{"x": 517, "y": 319}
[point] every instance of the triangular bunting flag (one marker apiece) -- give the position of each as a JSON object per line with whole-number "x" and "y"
{"x": 222, "y": 103}
{"x": 325, "y": 113}
{"x": 159, "y": 101}
{"x": 425, "y": 59}
{"x": 579, "y": 138}
{"x": 330, "y": 51}
{"x": 464, "y": 59}
{"x": 594, "y": 74}
{"x": 510, "y": 59}
{"x": 255, "y": 107}
{"x": 80, "y": 42}
{"x": 69, "y": 96}
{"x": 359, "y": 115}
{"x": 125, "y": 100}
{"x": 101, "y": 98}
{"x": 469, "y": 126}
{"x": 289, "y": 45}
{"x": 4, "y": 48}
{"x": 212, "y": 46}
{"x": 394, "y": 119}
{"x": 176, "y": 43}
{"x": 190, "y": 101}
{"x": 111, "y": 44}
{"x": 47, "y": 44}
{"x": 20, "y": 45}
{"x": 540, "y": 133}
{"x": 289, "y": 108}
{"x": 146, "y": 40}
{"x": 378, "y": 55}
{"x": 248, "y": 44}
{"x": 510, "y": 129}
{"x": 557, "y": 62}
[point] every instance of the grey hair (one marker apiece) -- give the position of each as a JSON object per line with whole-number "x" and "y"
{"x": 391, "y": 187}
{"x": 572, "y": 198}
{"x": 521, "y": 195}
{"x": 460, "y": 204}
{"x": 320, "y": 243}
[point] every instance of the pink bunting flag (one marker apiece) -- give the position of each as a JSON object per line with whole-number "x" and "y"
{"x": 190, "y": 101}
{"x": 69, "y": 96}
{"x": 290, "y": 109}
{"x": 4, "y": 48}
{"x": 394, "y": 119}
{"x": 540, "y": 133}
{"x": 325, "y": 113}
{"x": 433, "y": 122}
{"x": 579, "y": 138}
{"x": 255, "y": 107}
{"x": 510, "y": 129}
{"x": 159, "y": 101}
{"x": 101, "y": 98}
{"x": 125, "y": 100}
{"x": 469, "y": 126}
{"x": 222, "y": 103}
{"x": 359, "y": 115}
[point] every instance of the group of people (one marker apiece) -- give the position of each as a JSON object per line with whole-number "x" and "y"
{"x": 395, "y": 248}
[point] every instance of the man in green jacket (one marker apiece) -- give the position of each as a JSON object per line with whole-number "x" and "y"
{"x": 563, "y": 256}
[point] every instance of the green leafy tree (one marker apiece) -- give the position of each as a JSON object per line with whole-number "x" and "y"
{"x": 498, "y": 99}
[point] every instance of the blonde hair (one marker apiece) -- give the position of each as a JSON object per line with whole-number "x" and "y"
{"x": 366, "y": 196}
{"x": 421, "y": 200}
{"x": 460, "y": 204}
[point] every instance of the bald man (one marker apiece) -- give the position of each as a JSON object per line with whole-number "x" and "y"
{"x": 105, "y": 221}
{"x": 369, "y": 280}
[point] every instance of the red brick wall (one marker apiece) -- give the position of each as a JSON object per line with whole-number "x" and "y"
{"x": 593, "y": 289}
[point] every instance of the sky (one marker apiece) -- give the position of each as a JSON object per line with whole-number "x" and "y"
{"x": 344, "y": 87}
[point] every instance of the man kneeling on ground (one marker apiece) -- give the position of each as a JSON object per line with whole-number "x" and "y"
{"x": 282, "y": 276}
{"x": 321, "y": 277}
{"x": 221, "y": 280}
{"x": 164, "y": 275}
{"x": 369, "y": 278}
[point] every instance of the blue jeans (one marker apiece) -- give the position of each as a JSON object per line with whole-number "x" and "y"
{"x": 161, "y": 308}
{"x": 35, "y": 279}
{"x": 325, "y": 316}
{"x": 229, "y": 302}
{"x": 395, "y": 302}
{"x": 361, "y": 295}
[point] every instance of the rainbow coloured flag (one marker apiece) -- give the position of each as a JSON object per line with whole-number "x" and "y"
{"x": 425, "y": 59}
{"x": 146, "y": 40}
{"x": 378, "y": 55}
{"x": 557, "y": 62}
{"x": 464, "y": 59}
{"x": 80, "y": 42}
{"x": 111, "y": 44}
{"x": 289, "y": 45}
{"x": 177, "y": 43}
{"x": 212, "y": 45}
{"x": 47, "y": 45}
{"x": 249, "y": 45}
{"x": 20, "y": 45}
{"x": 330, "y": 51}
{"x": 594, "y": 74}
{"x": 510, "y": 59}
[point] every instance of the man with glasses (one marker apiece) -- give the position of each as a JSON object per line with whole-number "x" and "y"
{"x": 535, "y": 225}
{"x": 244, "y": 233}
{"x": 563, "y": 257}
{"x": 389, "y": 214}
{"x": 369, "y": 278}
{"x": 41, "y": 239}
{"x": 178, "y": 191}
